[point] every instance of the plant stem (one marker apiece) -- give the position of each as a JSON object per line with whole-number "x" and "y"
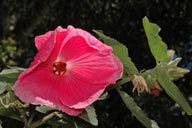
{"x": 23, "y": 113}
{"x": 44, "y": 119}
{"x": 30, "y": 119}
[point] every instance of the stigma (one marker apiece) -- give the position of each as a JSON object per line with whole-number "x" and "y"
{"x": 59, "y": 68}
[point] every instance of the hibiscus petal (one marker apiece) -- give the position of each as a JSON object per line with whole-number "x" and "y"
{"x": 41, "y": 40}
{"x": 68, "y": 110}
{"x": 46, "y": 49}
{"x": 49, "y": 46}
{"x": 89, "y": 71}
{"x": 37, "y": 87}
{"x": 91, "y": 41}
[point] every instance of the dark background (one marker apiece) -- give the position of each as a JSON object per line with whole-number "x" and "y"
{"x": 22, "y": 20}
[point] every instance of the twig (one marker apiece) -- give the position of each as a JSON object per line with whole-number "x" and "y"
{"x": 30, "y": 119}
{"x": 46, "y": 118}
{"x": 23, "y": 113}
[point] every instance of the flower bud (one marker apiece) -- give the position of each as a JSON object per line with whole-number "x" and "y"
{"x": 177, "y": 72}
{"x": 139, "y": 84}
{"x": 170, "y": 54}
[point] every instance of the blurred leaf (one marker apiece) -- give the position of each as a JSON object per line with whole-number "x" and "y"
{"x": 120, "y": 51}
{"x": 104, "y": 96}
{"x": 136, "y": 110}
{"x": 10, "y": 113}
{"x": 44, "y": 109}
{"x": 7, "y": 99}
{"x": 123, "y": 81}
{"x": 157, "y": 46}
{"x": 152, "y": 82}
{"x": 9, "y": 86}
{"x": 10, "y": 75}
{"x": 62, "y": 121}
{"x": 18, "y": 104}
{"x": 1, "y": 124}
{"x": 13, "y": 72}
{"x": 125, "y": 74}
{"x": 130, "y": 67}
{"x": 174, "y": 63}
{"x": 8, "y": 80}
{"x": 89, "y": 115}
{"x": 4, "y": 100}
{"x": 177, "y": 72}
{"x": 172, "y": 90}
{"x": 154, "y": 124}
{"x": 2, "y": 87}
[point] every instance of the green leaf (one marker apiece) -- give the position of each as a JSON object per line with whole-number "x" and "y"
{"x": 2, "y": 87}
{"x": 157, "y": 46}
{"x": 130, "y": 66}
{"x": 1, "y": 124}
{"x": 44, "y": 109}
{"x": 10, "y": 75}
{"x": 120, "y": 51}
{"x": 7, "y": 99}
{"x": 104, "y": 96}
{"x": 172, "y": 90}
{"x": 136, "y": 110}
{"x": 13, "y": 72}
{"x": 10, "y": 113}
{"x": 89, "y": 115}
{"x": 174, "y": 63}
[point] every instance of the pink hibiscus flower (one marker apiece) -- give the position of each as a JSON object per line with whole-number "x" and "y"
{"x": 70, "y": 71}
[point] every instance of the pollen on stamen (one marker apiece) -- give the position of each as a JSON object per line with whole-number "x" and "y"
{"x": 59, "y": 68}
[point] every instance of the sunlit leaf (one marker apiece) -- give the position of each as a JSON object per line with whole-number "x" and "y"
{"x": 1, "y": 124}
{"x": 2, "y": 87}
{"x": 157, "y": 46}
{"x": 120, "y": 51}
{"x": 136, "y": 110}
{"x": 172, "y": 90}
{"x": 174, "y": 63}
{"x": 104, "y": 96}
{"x": 89, "y": 115}
{"x": 7, "y": 99}
{"x": 12, "y": 72}
{"x": 44, "y": 109}
{"x": 130, "y": 67}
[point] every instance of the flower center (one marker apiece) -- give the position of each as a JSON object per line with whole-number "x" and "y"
{"x": 59, "y": 68}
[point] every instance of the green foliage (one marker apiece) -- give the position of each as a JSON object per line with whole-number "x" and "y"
{"x": 174, "y": 63}
{"x": 44, "y": 109}
{"x": 2, "y": 87}
{"x": 23, "y": 20}
{"x": 172, "y": 90}
{"x": 136, "y": 110}
{"x": 11, "y": 113}
{"x": 9, "y": 52}
{"x": 161, "y": 75}
{"x": 89, "y": 115}
{"x": 157, "y": 46}
{"x": 120, "y": 51}
{"x": 104, "y": 96}
{"x": 167, "y": 69}
{"x": 13, "y": 72}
